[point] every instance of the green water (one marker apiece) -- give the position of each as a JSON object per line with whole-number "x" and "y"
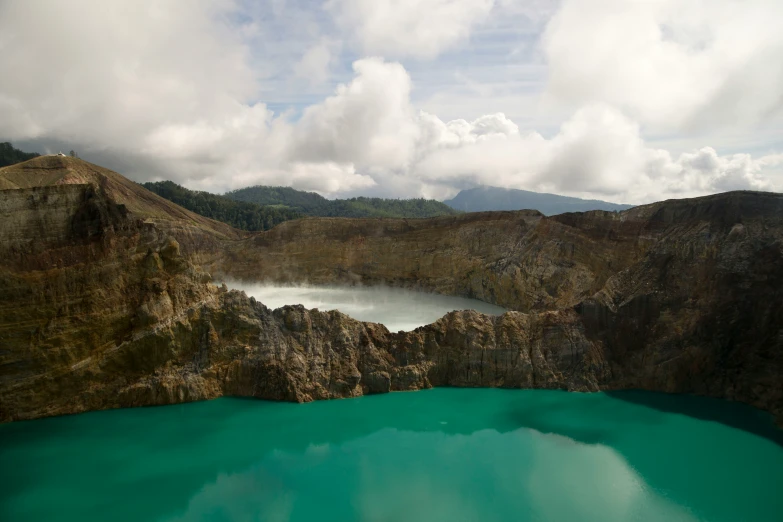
{"x": 436, "y": 455}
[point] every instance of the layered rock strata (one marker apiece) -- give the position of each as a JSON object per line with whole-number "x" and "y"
{"x": 107, "y": 302}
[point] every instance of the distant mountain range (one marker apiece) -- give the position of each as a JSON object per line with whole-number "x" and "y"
{"x": 312, "y": 204}
{"x": 493, "y": 198}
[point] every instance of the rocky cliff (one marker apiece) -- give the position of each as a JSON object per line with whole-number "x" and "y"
{"x": 107, "y": 300}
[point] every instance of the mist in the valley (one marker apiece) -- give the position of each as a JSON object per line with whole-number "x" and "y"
{"x": 396, "y": 308}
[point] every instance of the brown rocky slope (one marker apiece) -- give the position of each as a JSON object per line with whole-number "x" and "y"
{"x": 107, "y": 302}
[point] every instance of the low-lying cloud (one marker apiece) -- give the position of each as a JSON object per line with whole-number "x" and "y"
{"x": 396, "y": 308}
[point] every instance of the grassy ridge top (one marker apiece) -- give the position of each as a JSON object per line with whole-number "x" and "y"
{"x": 44, "y": 171}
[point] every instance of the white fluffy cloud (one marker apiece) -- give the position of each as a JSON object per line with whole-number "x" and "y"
{"x": 419, "y": 28}
{"x": 174, "y": 91}
{"x": 670, "y": 63}
{"x": 314, "y": 64}
{"x": 368, "y": 122}
{"x": 371, "y": 124}
{"x": 598, "y": 152}
{"x": 105, "y": 72}
{"x": 170, "y": 83}
{"x": 326, "y": 177}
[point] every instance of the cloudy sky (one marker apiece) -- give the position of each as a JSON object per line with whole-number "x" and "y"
{"x": 624, "y": 100}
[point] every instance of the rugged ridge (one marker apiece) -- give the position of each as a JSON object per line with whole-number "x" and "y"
{"x": 107, "y": 300}
{"x": 519, "y": 260}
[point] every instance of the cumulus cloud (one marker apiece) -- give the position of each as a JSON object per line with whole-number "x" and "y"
{"x": 173, "y": 91}
{"x": 165, "y": 90}
{"x": 368, "y": 121}
{"x": 326, "y": 177}
{"x": 87, "y": 65}
{"x": 371, "y": 123}
{"x": 598, "y": 152}
{"x": 670, "y": 63}
{"x": 315, "y": 63}
{"x": 418, "y": 28}
{"x": 705, "y": 171}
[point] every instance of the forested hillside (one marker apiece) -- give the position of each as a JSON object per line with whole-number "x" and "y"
{"x": 312, "y": 204}
{"x": 238, "y": 214}
{"x": 10, "y": 155}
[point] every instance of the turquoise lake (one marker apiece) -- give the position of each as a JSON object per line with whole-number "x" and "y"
{"x": 434, "y": 455}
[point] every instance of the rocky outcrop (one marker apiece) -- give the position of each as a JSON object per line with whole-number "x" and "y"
{"x": 107, "y": 300}
{"x": 701, "y": 312}
{"x": 230, "y": 345}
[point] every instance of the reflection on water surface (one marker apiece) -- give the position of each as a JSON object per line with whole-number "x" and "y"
{"x": 444, "y": 454}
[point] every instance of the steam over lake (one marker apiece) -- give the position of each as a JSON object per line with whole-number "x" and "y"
{"x": 396, "y": 308}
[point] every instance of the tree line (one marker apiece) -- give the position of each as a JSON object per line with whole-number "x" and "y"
{"x": 261, "y": 208}
{"x": 10, "y": 155}
{"x": 238, "y": 214}
{"x": 312, "y": 204}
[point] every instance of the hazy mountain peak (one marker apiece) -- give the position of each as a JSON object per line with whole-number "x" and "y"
{"x": 485, "y": 198}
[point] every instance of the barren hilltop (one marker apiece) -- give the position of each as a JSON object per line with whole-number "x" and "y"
{"x": 108, "y": 302}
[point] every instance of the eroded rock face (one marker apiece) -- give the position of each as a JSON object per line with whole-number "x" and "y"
{"x": 106, "y": 303}
{"x": 518, "y": 260}
{"x": 231, "y": 346}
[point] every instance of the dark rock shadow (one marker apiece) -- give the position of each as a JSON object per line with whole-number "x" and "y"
{"x": 734, "y": 414}
{"x": 557, "y": 413}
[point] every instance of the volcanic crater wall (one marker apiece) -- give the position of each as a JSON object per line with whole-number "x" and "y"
{"x": 103, "y": 306}
{"x": 519, "y": 260}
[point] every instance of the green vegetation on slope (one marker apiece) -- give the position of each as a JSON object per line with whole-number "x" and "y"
{"x": 238, "y": 214}
{"x": 312, "y": 204}
{"x": 9, "y": 155}
{"x": 285, "y": 196}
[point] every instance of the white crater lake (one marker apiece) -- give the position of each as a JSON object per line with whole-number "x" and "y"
{"x": 396, "y": 308}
